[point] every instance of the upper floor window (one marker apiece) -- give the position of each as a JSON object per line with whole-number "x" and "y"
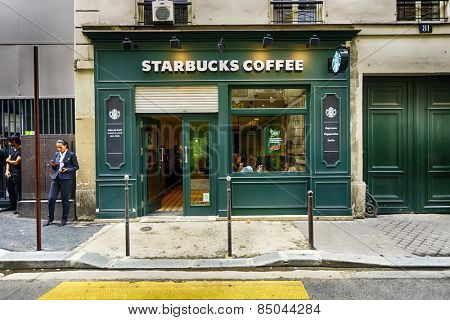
{"x": 296, "y": 11}
{"x": 181, "y": 12}
{"x": 423, "y": 10}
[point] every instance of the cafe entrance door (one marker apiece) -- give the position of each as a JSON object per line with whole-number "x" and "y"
{"x": 176, "y": 166}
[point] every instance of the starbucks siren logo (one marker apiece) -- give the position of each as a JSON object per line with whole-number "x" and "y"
{"x": 114, "y": 114}
{"x": 330, "y": 112}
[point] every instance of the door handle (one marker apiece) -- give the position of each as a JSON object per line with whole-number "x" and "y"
{"x": 185, "y": 155}
{"x": 162, "y": 154}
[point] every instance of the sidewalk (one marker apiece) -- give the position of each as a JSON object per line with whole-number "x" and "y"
{"x": 395, "y": 241}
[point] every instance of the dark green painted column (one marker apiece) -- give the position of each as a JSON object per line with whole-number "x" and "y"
{"x": 110, "y": 178}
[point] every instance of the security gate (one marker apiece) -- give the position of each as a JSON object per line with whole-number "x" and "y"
{"x": 406, "y": 143}
{"x": 57, "y": 116}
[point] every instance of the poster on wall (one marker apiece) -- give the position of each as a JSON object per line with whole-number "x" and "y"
{"x": 114, "y": 132}
{"x": 330, "y": 130}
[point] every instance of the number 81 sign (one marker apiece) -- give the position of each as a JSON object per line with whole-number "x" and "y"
{"x": 425, "y": 28}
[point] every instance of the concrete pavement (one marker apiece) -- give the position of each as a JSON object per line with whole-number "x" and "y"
{"x": 196, "y": 239}
{"x": 200, "y": 243}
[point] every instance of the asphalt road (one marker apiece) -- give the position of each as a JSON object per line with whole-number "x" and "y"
{"x": 319, "y": 284}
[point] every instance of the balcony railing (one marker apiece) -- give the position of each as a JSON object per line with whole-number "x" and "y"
{"x": 424, "y": 10}
{"x": 180, "y": 12}
{"x": 297, "y": 11}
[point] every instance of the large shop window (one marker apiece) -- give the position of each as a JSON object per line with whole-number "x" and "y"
{"x": 268, "y": 127}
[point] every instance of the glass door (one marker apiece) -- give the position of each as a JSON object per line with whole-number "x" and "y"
{"x": 151, "y": 165}
{"x": 198, "y": 163}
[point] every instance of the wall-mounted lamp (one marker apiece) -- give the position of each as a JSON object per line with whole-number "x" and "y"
{"x": 127, "y": 44}
{"x": 175, "y": 43}
{"x": 267, "y": 41}
{"x": 314, "y": 41}
{"x": 221, "y": 45}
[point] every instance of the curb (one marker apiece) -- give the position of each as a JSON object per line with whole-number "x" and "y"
{"x": 300, "y": 258}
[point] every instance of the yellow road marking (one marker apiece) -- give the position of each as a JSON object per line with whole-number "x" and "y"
{"x": 187, "y": 290}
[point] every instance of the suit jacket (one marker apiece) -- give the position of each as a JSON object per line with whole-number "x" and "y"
{"x": 70, "y": 163}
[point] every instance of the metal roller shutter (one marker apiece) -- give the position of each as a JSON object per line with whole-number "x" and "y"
{"x": 177, "y": 99}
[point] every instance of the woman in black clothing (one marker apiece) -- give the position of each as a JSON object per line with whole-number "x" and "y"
{"x": 13, "y": 173}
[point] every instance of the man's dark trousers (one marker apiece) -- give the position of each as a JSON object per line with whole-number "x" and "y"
{"x": 14, "y": 183}
{"x": 57, "y": 185}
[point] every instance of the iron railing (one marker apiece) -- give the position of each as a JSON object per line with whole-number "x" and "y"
{"x": 301, "y": 11}
{"x": 180, "y": 12}
{"x": 57, "y": 116}
{"x": 423, "y": 10}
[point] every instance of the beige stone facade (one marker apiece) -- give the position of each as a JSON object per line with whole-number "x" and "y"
{"x": 383, "y": 47}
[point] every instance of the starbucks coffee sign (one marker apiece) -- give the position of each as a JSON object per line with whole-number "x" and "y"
{"x": 159, "y": 66}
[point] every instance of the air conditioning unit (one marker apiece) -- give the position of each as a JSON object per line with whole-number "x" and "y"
{"x": 162, "y": 11}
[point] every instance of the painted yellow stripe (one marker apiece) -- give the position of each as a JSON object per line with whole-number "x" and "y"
{"x": 188, "y": 290}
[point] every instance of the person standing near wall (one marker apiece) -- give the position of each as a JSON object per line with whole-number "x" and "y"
{"x": 13, "y": 173}
{"x": 64, "y": 165}
{"x": 3, "y": 157}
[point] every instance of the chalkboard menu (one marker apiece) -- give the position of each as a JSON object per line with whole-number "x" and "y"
{"x": 114, "y": 132}
{"x": 330, "y": 129}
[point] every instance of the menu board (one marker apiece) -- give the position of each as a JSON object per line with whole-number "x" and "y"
{"x": 330, "y": 129}
{"x": 114, "y": 132}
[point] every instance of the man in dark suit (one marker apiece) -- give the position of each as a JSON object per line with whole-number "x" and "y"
{"x": 64, "y": 165}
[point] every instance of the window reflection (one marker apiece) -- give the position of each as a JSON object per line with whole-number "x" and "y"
{"x": 268, "y": 143}
{"x": 268, "y": 98}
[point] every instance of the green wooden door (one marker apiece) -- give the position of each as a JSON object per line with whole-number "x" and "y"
{"x": 387, "y": 148}
{"x": 199, "y": 165}
{"x": 406, "y": 163}
{"x": 433, "y": 147}
{"x": 150, "y": 162}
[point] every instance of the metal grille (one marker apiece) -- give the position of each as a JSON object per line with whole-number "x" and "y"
{"x": 424, "y": 10}
{"x": 180, "y": 14}
{"x": 306, "y": 11}
{"x": 57, "y": 116}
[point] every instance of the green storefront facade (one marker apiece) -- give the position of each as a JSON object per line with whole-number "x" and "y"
{"x": 238, "y": 81}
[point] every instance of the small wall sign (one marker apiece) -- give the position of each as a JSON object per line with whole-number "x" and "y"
{"x": 274, "y": 141}
{"x": 114, "y": 132}
{"x": 330, "y": 130}
{"x": 425, "y": 28}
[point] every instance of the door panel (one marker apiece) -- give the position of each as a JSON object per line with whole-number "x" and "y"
{"x": 150, "y": 165}
{"x": 387, "y": 144}
{"x": 434, "y": 110}
{"x": 198, "y": 159}
{"x": 388, "y": 140}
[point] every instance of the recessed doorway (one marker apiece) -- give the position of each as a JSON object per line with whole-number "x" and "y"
{"x": 161, "y": 165}
{"x": 176, "y": 161}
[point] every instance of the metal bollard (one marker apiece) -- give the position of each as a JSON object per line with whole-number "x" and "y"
{"x": 127, "y": 218}
{"x": 230, "y": 253}
{"x": 310, "y": 219}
